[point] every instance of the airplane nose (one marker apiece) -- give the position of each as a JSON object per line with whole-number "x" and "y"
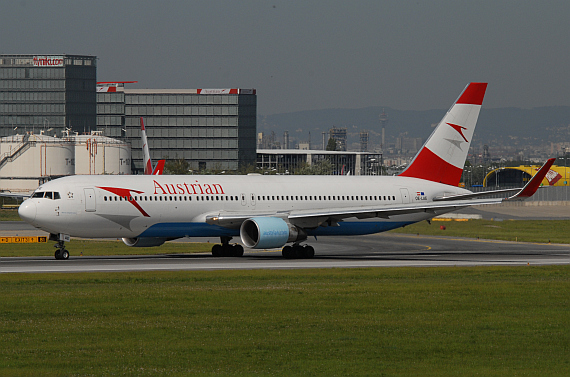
{"x": 27, "y": 211}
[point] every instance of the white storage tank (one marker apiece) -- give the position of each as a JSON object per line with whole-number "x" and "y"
{"x": 96, "y": 154}
{"x": 28, "y": 160}
{"x": 29, "y": 156}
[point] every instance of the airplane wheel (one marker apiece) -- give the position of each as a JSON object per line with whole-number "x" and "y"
{"x": 300, "y": 252}
{"x": 237, "y": 250}
{"x": 57, "y": 254}
{"x": 287, "y": 252}
{"x": 217, "y": 250}
{"x": 309, "y": 252}
{"x": 64, "y": 254}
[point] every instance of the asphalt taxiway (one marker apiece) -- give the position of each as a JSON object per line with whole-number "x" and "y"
{"x": 380, "y": 250}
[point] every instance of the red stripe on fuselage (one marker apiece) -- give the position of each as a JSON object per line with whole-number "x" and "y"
{"x": 427, "y": 165}
{"x": 126, "y": 193}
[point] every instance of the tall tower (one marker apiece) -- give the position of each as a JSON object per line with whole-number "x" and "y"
{"x": 286, "y": 140}
{"x": 324, "y": 141}
{"x": 364, "y": 141}
{"x": 383, "y": 122}
{"x": 339, "y": 134}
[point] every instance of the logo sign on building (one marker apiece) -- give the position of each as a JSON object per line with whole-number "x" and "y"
{"x": 48, "y": 61}
{"x": 217, "y": 91}
{"x": 553, "y": 177}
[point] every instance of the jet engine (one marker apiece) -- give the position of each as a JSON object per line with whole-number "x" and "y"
{"x": 144, "y": 241}
{"x": 269, "y": 232}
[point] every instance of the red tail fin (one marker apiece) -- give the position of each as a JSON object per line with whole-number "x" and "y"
{"x": 442, "y": 157}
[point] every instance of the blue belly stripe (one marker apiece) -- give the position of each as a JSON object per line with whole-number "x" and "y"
{"x": 355, "y": 228}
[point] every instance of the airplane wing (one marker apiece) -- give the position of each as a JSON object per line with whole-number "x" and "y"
{"x": 312, "y": 218}
{"x": 14, "y": 195}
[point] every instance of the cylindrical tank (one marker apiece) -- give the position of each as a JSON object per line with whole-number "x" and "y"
{"x": 29, "y": 156}
{"x": 96, "y": 154}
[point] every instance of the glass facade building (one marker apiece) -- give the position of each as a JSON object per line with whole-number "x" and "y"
{"x": 212, "y": 129}
{"x": 47, "y": 92}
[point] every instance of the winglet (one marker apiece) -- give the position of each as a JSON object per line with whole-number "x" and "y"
{"x": 530, "y": 188}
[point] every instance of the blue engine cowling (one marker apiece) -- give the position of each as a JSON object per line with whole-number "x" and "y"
{"x": 269, "y": 232}
{"x": 144, "y": 241}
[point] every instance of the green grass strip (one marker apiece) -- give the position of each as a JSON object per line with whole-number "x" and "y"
{"x": 9, "y": 215}
{"x": 490, "y": 321}
{"x": 99, "y": 248}
{"x": 541, "y": 231}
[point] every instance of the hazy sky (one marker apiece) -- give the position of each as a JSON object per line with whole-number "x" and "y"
{"x": 304, "y": 55}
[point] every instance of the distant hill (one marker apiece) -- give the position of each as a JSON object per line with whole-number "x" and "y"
{"x": 540, "y": 124}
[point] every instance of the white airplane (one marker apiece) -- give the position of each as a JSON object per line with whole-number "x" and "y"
{"x": 269, "y": 211}
{"x": 148, "y": 170}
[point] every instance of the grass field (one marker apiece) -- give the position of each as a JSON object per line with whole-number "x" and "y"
{"x": 9, "y": 215}
{"x": 542, "y": 231}
{"x": 364, "y": 322}
{"x": 95, "y": 248}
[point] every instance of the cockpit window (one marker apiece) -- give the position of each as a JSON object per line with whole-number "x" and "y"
{"x": 47, "y": 194}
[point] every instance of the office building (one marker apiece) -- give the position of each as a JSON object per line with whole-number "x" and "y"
{"x": 47, "y": 94}
{"x": 212, "y": 129}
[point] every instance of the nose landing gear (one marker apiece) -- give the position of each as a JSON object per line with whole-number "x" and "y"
{"x": 61, "y": 252}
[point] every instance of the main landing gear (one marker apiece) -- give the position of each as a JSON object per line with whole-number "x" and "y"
{"x": 297, "y": 251}
{"x": 61, "y": 252}
{"x": 227, "y": 250}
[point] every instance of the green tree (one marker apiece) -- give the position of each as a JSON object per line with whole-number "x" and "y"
{"x": 177, "y": 167}
{"x": 322, "y": 167}
{"x": 331, "y": 145}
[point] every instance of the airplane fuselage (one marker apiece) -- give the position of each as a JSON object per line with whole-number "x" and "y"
{"x": 177, "y": 206}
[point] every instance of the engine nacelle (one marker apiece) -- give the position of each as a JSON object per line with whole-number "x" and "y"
{"x": 144, "y": 241}
{"x": 269, "y": 232}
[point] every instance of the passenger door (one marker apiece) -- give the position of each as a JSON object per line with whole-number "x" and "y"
{"x": 90, "y": 204}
